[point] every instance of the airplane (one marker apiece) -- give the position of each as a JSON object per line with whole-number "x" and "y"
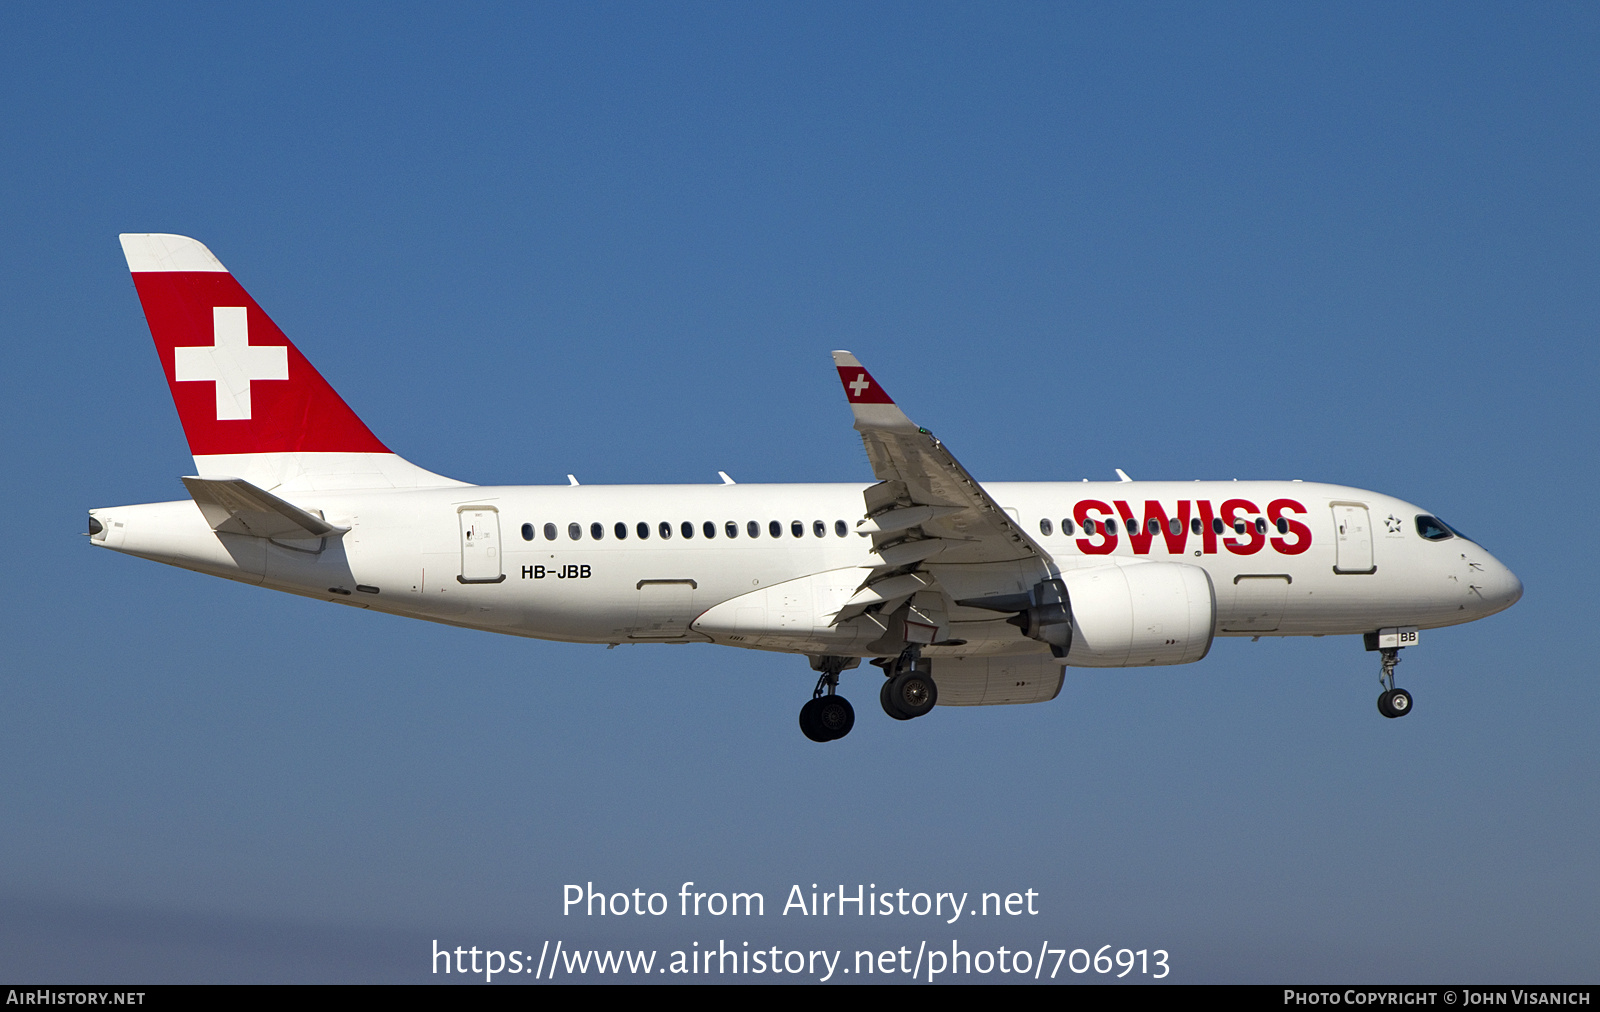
{"x": 962, "y": 593}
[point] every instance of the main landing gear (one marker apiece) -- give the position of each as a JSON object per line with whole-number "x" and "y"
{"x": 827, "y": 716}
{"x": 909, "y": 691}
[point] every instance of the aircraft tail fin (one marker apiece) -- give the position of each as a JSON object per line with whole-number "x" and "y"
{"x": 251, "y": 405}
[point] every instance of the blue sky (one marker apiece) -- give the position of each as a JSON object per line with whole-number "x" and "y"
{"x": 1352, "y": 244}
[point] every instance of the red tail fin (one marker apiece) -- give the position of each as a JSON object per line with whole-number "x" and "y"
{"x": 240, "y": 385}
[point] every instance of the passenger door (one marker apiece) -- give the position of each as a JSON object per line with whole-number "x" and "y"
{"x": 480, "y": 544}
{"x": 1352, "y": 539}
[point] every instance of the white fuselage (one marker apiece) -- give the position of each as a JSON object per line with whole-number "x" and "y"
{"x": 1343, "y": 561}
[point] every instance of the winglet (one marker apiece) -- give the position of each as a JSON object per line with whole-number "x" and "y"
{"x": 871, "y": 404}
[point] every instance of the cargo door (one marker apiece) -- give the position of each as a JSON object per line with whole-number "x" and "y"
{"x": 664, "y": 610}
{"x": 1257, "y": 602}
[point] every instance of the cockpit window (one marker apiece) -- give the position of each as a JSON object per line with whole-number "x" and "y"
{"x": 1433, "y": 529}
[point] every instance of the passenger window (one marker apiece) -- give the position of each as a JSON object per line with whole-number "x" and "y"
{"x": 1433, "y": 529}
{"x": 643, "y": 530}
{"x": 840, "y": 529}
{"x": 1217, "y": 526}
{"x": 818, "y": 528}
{"x": 621, "y": 531}
{"x": 1175, "y": 526}
{"x": 527, "y": 532}
{"x": 797, "y": 528}
{"x": 1238, "y": 527}
{"x": 1195, "y": 526}
{"x": 1088, "y": 527}
{"x": 1066, "y": 527}
{"x": 597, "y": 531}
{"x": 574, "y": 531}
{"x": 1283, "y": 526}
{"x": 665, "y": 531}
{"x": 775, "y": 529}
{"x": 1261, "y": 525}
{"x": 709, "y": 529}
{"x": 731, "y": 528}
{"x": 1152, "y": 526}
{"x": 687, "y": 529}
{"x": 753, "y": 529}
{"x": 1046, "y": 527}
{"x": 549, "y": 532}
{"x": 1111, "y": 527}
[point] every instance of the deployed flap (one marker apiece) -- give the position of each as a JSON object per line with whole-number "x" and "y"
{"x": 234, "y": 506}
{"x": 931, "y": 488}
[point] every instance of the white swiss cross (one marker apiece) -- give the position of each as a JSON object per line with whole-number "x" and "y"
{"x": 231, "y": 363}
{"x": 860, "y": 385}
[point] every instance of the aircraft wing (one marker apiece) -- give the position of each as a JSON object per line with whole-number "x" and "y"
{"x": 930, "y": 521}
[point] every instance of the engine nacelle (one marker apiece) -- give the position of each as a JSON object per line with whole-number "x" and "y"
{"x": 998, "y": 680}
{"x": 1142, "y": 614}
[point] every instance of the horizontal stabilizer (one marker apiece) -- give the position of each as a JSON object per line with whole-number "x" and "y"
{"x": 234, "y": 506}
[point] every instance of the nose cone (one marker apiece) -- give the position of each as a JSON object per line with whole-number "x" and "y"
{"x": 1503, "y": 590}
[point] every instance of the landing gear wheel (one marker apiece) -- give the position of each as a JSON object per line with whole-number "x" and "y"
{"x": 912, "y": 693}
{"x": 887, "y": 703}
{"x": 1400, "y": 702}
{"x": 835, "y": 716}
{"x": 827, "y": 718}
{"x": 810, "y": 725}
{"x": 1394, "y": 703}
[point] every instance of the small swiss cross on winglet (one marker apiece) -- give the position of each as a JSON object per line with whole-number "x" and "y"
{"x": 859, "y": 386}
{"x": 873, "y": 408}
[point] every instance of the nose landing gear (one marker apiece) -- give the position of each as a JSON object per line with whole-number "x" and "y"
{"x": 1392, "y": 702}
